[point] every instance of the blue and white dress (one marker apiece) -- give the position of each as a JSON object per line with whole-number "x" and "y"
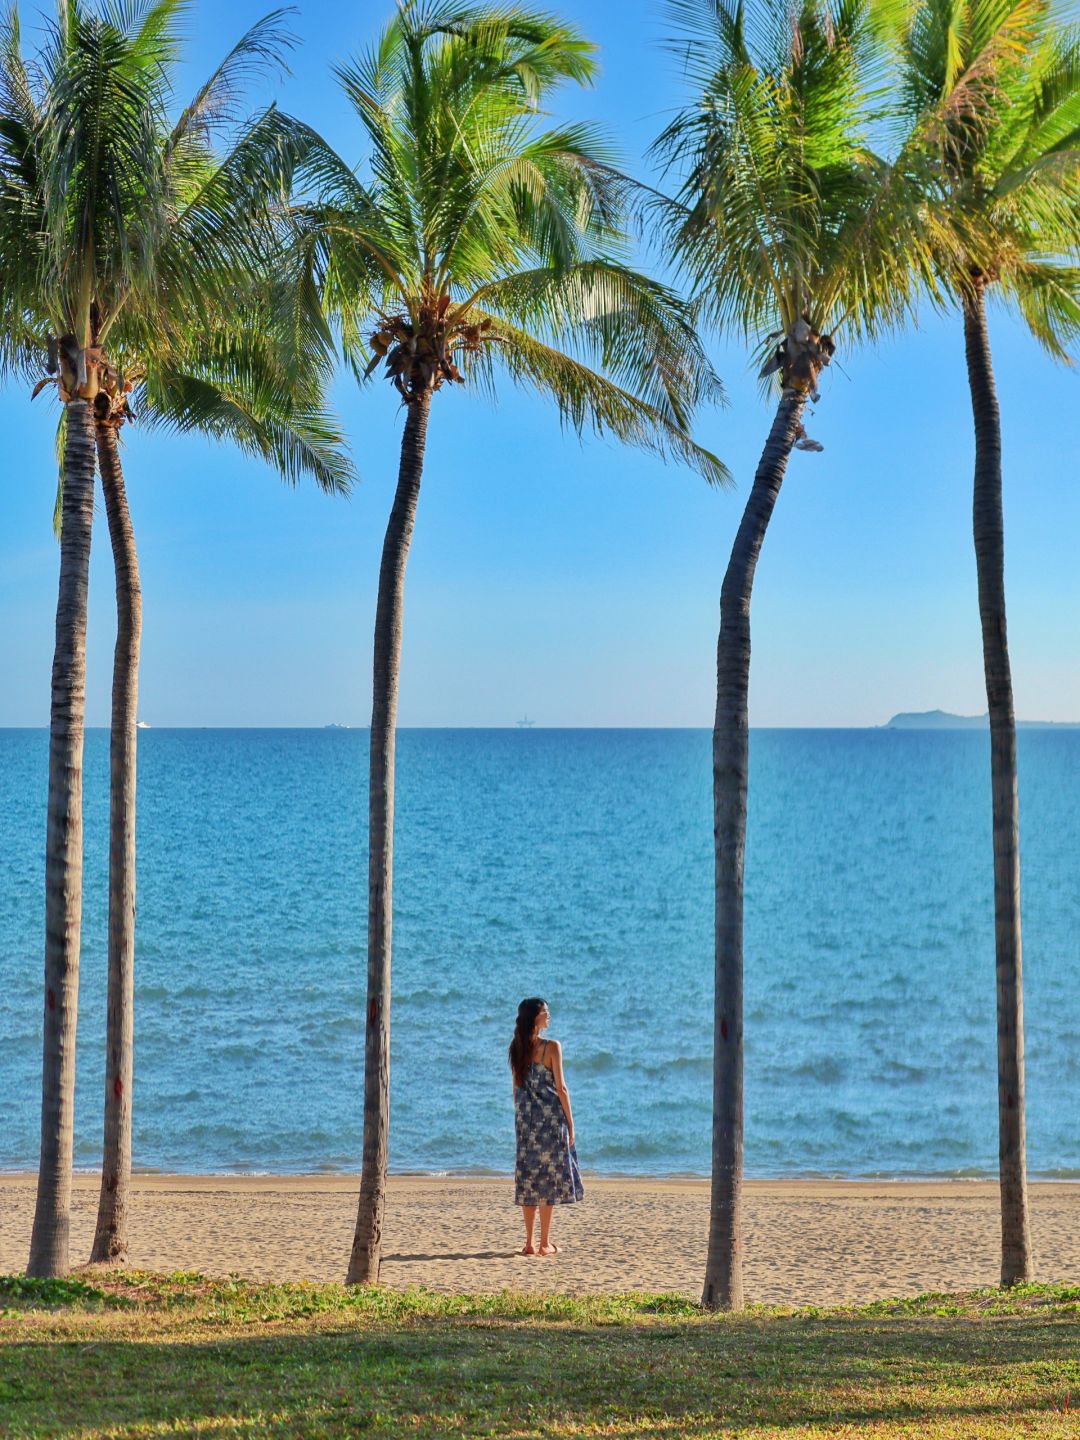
{"x": 547, "y": 1171}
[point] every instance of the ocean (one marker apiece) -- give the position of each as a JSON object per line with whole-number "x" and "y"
{"x": 576, "y": 865}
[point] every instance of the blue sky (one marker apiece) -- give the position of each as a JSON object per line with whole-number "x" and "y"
{"x": 575, "y": 582}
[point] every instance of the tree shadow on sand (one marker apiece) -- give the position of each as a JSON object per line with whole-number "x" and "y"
{"x": 456, "y": 1255}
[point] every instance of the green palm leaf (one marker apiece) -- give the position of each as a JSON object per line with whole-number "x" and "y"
{"x": 588, "y": 400}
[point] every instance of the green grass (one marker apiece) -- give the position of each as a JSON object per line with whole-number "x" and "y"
{"x": 133, "y": 1354}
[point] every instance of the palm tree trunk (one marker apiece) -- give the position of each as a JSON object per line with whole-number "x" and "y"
{"x": 1017, "y": 1262}
{"x": 367, "y": 1242}
{"x": 723, "y": 1270}
{"x": 110, "y": 1236}
{"x": 63, "y": 853}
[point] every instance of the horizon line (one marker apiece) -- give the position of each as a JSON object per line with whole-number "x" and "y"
{"x": 512, "y": 725}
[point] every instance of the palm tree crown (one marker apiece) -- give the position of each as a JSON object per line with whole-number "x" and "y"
{"x": 480, "y": 241}
{"x": 134, "y": 255}
{"x": 788, "y": 225}
{"x": 993, "y": 88}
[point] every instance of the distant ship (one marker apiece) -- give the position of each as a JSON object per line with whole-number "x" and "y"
{"x": 143, "y": 725}
{"x": 525, "y": 723}
{"x": 337, "y": 727}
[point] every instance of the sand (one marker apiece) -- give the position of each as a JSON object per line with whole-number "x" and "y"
{"x": 807, "y": 1241}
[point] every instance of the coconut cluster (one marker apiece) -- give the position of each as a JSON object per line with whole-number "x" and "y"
{"x": 422, "y": 352}
{"x": 83, "y": 373}
{"x": 800, "y": 357}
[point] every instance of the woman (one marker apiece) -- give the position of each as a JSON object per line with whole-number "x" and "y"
{"x": 546, "y": 1173}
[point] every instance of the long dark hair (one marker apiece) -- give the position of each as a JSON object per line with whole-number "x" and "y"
{"x": 521, "y": 1046}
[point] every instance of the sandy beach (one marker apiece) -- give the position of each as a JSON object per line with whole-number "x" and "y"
{"x": 807, "y": 1241}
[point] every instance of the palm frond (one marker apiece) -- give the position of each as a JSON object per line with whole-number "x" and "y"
{"x": 589, "y": 401}
{"x": 61, "y": 451}
{"x": 236, "y": 395}
{"x": 259, "y": 50}
{"x": 1047, "y": 295}
{"x": 635, "y": 329}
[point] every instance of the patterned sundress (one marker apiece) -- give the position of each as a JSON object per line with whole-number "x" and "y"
{"x": 547, "y": 1171}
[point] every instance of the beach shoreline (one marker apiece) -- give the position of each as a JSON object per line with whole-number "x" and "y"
{"x": 807, "y": 1241}
{"x": 337, "y": 1178}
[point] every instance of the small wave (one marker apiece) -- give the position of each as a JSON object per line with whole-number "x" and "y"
{"x": 297, "y": 1143}
{"x": 328, "y": 1030}
{"x": 962, "y": 1172}
{"x": 426, "y": 996}
{"x": 637, "y": 1150}
{"x": 900, "y": 1072}
{"x": 679, "y": 1064}
{"x": 23, "y": 1039}
{"x": 458, "y": 1172}
{"x": 681, "y": 1108}
{"x": 827, "y": 1071}
{"x": 848, "y": 1122}
{"x": 237, "y": 1050}
{"x": 697, "y": 1064}
{"x": 599, "y": 1064}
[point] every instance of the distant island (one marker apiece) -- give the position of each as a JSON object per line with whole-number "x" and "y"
{"x": 942, "y": 720}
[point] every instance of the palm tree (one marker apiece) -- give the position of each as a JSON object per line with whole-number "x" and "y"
{"x": 129, "y": 254}
{"x": 1003, "y": 83}
{"x": 792, "y": 232}
{"x": 267, "y": 411}
{"x": 481, "y": 241}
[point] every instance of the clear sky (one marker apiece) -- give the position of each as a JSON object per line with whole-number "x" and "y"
{"x": 577, "y": 583}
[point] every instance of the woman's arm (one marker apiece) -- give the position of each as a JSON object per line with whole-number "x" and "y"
{"x": 560, "y": 1085}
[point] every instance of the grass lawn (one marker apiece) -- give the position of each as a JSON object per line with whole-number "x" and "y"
{"x": 135, "y": 1354}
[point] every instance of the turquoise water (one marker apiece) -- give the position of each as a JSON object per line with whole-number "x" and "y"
{"x": 575, "y": 865}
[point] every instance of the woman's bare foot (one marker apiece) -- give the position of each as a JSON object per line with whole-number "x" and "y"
{"x": 527, "y": 1249}
{"x": 550, "y": 1248}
